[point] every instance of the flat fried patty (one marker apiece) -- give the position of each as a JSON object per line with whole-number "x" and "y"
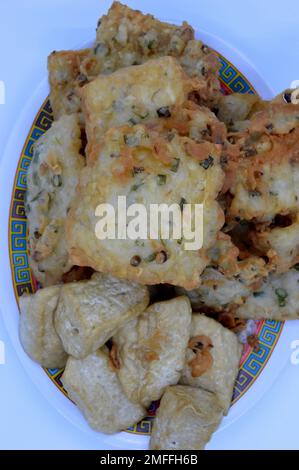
{"x": 144, "y": 166}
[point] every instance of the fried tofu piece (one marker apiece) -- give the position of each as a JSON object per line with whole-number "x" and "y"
{"x": 142, "y": 165}
{"x": 265, "y": 177}
{"x": 276, "y": 299}
{"x": 92, "y": 384}
{"x": 279, "y": 244}
{"x": 51, "y": 184}
{"x": 212, "y": 359}
{"x": 151, "y": 349}
{"x": 133, "y": 95}
{"x": 36, "y": 329}
{"x": 65, "y": 78}
{"x": 90, "y": 312}
{"x": 186, "y": 419}
{"x": 127, "y": 37}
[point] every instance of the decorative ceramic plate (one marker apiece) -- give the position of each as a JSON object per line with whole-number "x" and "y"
{"x": 257, "y": 368}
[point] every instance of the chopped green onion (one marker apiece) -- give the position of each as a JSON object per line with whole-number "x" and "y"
{"x": 258, "y": 294}
{"x": 161, "y": 179}
{"x": 57, "y": 181}
{"x": 150, "y": 258}
{"x": 281, "y": 296}
{"x": 140, "y": 115}
{"x": 207, "y": 162}
{"x": 36, "y": 197}
{"x": 255, "y": 193}
{"x": 175, "y": 165}
{"x": 36, "y": 154}
{"x": 35, "y": 178}
{"x": 164, "y": 111}
{"x": 137, "y": 186}
{"x": 151, "y": 44}
{"x": 133, "y": 121}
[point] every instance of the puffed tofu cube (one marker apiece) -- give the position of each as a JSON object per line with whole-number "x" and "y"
{"x": 90, "y": 312}
{"x": 186, "y": 419}
{"x": 151, "y": 349}
{"x": 93, "y": 385}
{"x": 212, "y": 359}
{"x": 36, "y": 329}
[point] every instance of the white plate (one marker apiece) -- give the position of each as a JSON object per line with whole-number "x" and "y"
{"x": 62, "y": 404}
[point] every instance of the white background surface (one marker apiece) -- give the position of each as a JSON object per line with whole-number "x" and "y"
{"x": 267, "y": 34}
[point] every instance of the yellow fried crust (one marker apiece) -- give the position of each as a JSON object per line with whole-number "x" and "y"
{"x": 264, "y": 172}
{"x": 51, "y": 179}
{"x": 65, "y": 78}
{"x": 143, "y": 165}
{"x": 133, "y": 95}
{"x": 127, "y": 37}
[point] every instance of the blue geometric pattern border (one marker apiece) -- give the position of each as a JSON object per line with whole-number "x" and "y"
{"x": 232, "y": 79}
{"x": 255, "y": 362}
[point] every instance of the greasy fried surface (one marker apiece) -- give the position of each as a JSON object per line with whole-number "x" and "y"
{"x": 186, "y": 419}
{"x": 217, "y": 291}
{"x": 133, "y": 95}
{"x": 141, "y": 164}
{"x": 279, "y": 244}
{"x": 93, "y": 385}
{"x": 219, "y": 374}
{"x": 51, "y": 181}
{"x": 237, "y": 107}
{"x": 237, "y": 110}
{"x": 264, "y": 180}
{"x": 64, "y": 79}
{"x": 127, "y": 37}
{"x": 89, "y": 312}
{"x": 37, "y": 334}
{"x": 228, "y": 280}
{"x": 276, "y": 299}
{"x": 151, "y": 349}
